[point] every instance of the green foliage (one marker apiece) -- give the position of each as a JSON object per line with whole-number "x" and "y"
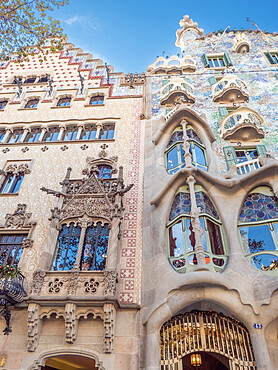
{"x": 26, "y": 25}
{"x": 9, "y": 271}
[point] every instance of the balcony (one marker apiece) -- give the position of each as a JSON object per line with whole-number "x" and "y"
{"x": 177, "y": 91}
{"x": 230, "y": 89}
{"x": 242, "y": 125}
{"x": 173, "y": 65}
{"x": 88, "y": 285}
{"x": 248, "y": 166}
{"x": 11, "y": 292}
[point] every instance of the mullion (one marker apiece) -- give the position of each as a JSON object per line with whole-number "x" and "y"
{"x": 68, "y": 245}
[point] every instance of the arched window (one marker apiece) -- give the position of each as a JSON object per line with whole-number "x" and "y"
{"x": 71, "y": 133}
{"x": 174, "y": 153}
{"x": 105, "y": 171}
{"x": 96, "y": 100}
{"x": 258, "y": 228}
{"x": 52, "y": 134}
{"x": 30, "y": 79}
{"x": 107, "y": 132}
{"x": 32, "y": 103}
{"x": 64, "y": 102}
{"x": 11, "y": 183}
{"x": 33, "y": 135}
{"x": 3, "y": 104}
{"x": 15, "y": 136}
{"x": 94, "y": 248}
{"x": 181, "y": 237}
{"x": 89, "y": 132}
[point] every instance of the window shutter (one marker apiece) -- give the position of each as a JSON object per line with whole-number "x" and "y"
{"x": 269, "y": 58}
{"x": 212, "y": 80}
{"x": 230, "y": 156}
{"x": 261, "y": 150}
{"x": 223, "y": 112}
{"x": 205, "y": 60}
{"x": 276, "y": 75}
{"x": 227, "y": 59}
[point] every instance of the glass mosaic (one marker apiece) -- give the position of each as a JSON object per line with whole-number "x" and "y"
{"x": 182, "y": 205}
{"x": 258, "y": 207}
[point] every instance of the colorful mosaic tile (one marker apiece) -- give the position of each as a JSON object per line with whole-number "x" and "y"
{"x": 258, "y": 207}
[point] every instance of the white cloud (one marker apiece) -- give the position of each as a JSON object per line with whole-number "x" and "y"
{"x": 83, "y": 21}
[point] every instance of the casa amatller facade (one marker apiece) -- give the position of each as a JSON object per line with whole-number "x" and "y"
{"x": 139, "y": 213}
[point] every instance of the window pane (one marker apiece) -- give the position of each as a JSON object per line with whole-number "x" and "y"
{"x": 200, "y": 156}
{"x": 71, "y": 133}
{"x": 16, "y": 136}
{"x": 11, "y": 248}
{"x": 190, "y": 235}
{"x": 215, "y": 238}
{"x": 89, "y": 133}
{"x": 7, "y": 183}
{"x": 104, "y": 171}
{"x": 17, "y": 184}
{"x": 176, "y": 244}
{"x": 95, "y": 248}
{"x": 241, "y": 156}
{"x": 265, "y": 262}
{"x": 67, "y": 246}
{"x": 256, "y": 239}
{"x": 172, "y": 158}
{"x": 111, "y": 133}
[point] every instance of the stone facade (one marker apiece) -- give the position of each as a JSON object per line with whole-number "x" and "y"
{"x": 186, "y": 144}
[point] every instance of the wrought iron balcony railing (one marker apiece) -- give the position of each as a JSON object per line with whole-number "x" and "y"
{"x": 11, "y": 292}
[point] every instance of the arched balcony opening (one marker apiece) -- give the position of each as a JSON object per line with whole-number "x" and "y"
{"x": 258, "y": 229}
{"x": 230, "y": 89}
{"x": 177, "y": 91}
{"x": 181, "y": 237}
{"x": 173, "y": 65}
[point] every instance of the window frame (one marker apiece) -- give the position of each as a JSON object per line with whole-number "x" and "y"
{"x": 15, "y": 179}
{"x": 3, "y": 101}
{"x": 269, "y": 223}
{"x": 67, "y": 98}
{"x": 31, "y": 100}
{"x": 227, "y": 62}
{"x": 96, "y": 96}
{"x": 188, "y": 267}
{"x": 269, "y": 57}
{"x": 179, "y": 144}
{"x": 18, "y": 247}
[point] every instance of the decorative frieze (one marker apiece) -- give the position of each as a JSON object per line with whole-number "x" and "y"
{"x": 33, "y": 322}
{"x": 109, "y": 326}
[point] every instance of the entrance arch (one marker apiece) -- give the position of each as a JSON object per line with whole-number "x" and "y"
{"x": 205, "y": 332}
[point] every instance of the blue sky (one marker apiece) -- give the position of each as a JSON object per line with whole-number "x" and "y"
{"x": 130, "y": 34}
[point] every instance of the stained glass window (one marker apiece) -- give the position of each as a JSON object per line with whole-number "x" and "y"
{"x": 175, "y": 153}
{"x": 94, "y": 249}
{"x": 11, "y": 248}
{"x": 181, "y": 236}
{"x": 104, "y": 171}
{"x": 258, "y": 229}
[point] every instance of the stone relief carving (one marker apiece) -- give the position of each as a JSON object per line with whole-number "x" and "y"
{"x": 55, "y": 285}
{"x": 18, "y": 168}
{"x": 70, "y": 322}
{"x": 109, "y": 326}
{"x": 110, "y": 282}
{"x": 73, "y": 282}
{"x": 19, "y": 218}
{"x": 33, "y": 323}
{"x": 91, "y": 286}
{"x": 36, "y": 284}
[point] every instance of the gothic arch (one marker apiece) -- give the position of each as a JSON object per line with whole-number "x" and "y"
{"x": 197, "y": 121}
{"x": 60, "y": 351}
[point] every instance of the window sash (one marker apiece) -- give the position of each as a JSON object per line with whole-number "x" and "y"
{"x": 11, "y": 248}
{"x": 11, "y": 183}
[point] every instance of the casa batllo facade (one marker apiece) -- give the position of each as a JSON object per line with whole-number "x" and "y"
{"x": 141, "y": 209}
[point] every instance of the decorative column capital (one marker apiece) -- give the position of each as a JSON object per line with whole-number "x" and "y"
{"x": 84, "y": 222}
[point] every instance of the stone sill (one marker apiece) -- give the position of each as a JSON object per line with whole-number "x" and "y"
{"x": 68, "y": 106}
{"x": 28, "y": 109}
{"x": 8, "y": 194}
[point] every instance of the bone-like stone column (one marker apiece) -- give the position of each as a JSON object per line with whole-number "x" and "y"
{"x": 196, "y": 225}
{"x": 186, "y": 145}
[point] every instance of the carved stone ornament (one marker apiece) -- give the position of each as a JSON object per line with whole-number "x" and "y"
{"x": 27, "y": 243}
{"x": 109, "y": 326}
{"x": 19, "y": 218}
{"x": 110, "y": 282}
{"x": 18, "y": 168}
{"x": 33, "y": 322}
{"x": 73, "y": 281}
{"x": 70, "y": 322}
{"x": 36, "y": 283}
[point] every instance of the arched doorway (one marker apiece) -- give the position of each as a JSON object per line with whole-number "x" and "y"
{"x": 70, "y": 362}
{"x": 209, "y": 334}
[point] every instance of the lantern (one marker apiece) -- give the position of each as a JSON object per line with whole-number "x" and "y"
{"x": 196, "y": 360}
